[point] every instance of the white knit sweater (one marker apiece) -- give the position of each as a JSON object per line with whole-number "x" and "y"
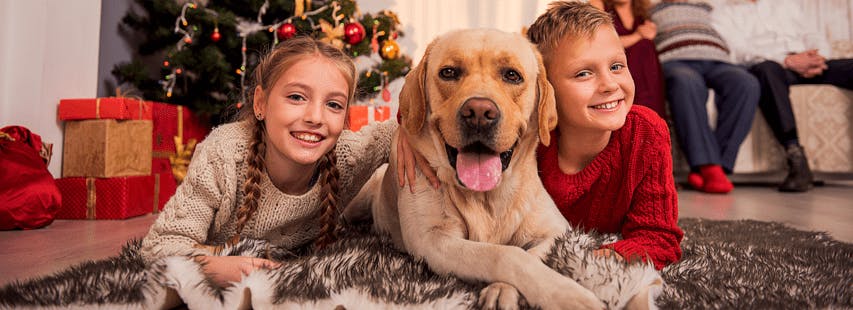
{"x": 203, "y": 209}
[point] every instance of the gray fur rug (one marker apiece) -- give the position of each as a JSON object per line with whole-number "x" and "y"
{"x": 726, "y": 265}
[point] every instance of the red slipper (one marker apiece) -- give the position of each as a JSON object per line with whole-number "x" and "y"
{"x": 715, "y": 179}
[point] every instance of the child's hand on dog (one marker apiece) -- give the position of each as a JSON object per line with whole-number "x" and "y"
{"x": 406, "y": 160}
{"x": 606, "y": 253}
{"x": 224, "y": 270}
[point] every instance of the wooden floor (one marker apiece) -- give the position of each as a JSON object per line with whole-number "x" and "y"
{"x": 39, "y": 252}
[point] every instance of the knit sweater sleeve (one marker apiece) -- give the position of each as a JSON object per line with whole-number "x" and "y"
{"x": 360, "y": 154}
{"x": 651, "y": 227}
{"x": 187, "y": 216}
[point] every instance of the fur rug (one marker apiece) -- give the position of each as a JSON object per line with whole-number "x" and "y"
{"x": 726, "y": 264}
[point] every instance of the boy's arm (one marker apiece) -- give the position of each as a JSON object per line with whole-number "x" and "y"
{"x": 651, "y": 225}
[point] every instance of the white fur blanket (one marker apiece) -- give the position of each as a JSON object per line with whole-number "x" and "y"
{"x": 360, "y": 271}
{"x": 726, "y": 265}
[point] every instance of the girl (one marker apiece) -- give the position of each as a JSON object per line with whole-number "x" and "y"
{"x": 276, "y": 173}
{"x": 636, "y": 32}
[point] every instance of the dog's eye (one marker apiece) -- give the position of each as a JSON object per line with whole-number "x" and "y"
{"x": 512, "y": 76}
{"x": 449, "y": 74}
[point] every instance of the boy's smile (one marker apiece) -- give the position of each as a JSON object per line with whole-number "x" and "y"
{"x": 592, "y": 84}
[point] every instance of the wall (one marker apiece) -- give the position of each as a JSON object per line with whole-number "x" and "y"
{"x": 424, "y": 20}
{"x": 48, "y": 51}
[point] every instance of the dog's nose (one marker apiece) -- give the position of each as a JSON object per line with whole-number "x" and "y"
{"x": 480, "y": 112}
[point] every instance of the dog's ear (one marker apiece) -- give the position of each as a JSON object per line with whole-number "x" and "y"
{"x": 547, "y": 106}
{"x": 413, "y": 101}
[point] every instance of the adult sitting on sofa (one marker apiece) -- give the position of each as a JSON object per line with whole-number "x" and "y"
{"x": 770, "y": 38}
{"x": 694, "y": 57}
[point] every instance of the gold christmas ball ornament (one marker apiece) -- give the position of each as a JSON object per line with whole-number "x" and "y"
{"x": 390, "y": 49}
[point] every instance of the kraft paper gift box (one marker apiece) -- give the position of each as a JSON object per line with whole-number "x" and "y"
{"x": 107, "y": 148}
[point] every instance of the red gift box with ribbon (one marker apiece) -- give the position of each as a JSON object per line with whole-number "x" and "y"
{"x": 176, "y": 132}
{"x": 107, "y": 198}
{"x": 361, "y": 115}
{"x": 104, "y": 108}
{"x": 172, "y": 121}
{"x": 161, "y": 168}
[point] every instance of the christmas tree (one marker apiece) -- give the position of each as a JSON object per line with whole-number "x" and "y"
{"x": 210, "y": 47}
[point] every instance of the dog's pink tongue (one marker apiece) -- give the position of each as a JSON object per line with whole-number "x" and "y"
{"x": 479, "y": 172}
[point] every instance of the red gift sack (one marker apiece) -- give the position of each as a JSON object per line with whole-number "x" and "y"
{"x": 29, "y": 197}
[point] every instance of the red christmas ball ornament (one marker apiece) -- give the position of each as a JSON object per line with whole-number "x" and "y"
{"x": 386, "y": 94}
{"x": 286, "y": 31}
{"x": 354, "y": 32}
{"x": 215, "y": 36}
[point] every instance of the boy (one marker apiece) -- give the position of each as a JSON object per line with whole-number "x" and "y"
{"x": 610, "y": 169}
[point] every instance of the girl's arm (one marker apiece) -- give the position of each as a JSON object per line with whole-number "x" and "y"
{"x": 629, "y": 40}
{"x": 187, "y": 216}
{"x": 408, "y": 160}
{"x": 360, "y": 153}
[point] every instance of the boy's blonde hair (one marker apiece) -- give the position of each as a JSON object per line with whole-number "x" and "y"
{"x": 565, "y": 19}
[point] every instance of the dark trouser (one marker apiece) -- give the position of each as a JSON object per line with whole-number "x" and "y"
{"x": 775, "y": 101}
{"x": 736, "y": 94}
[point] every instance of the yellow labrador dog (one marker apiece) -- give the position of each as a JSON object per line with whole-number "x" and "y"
{"x": 476, "y": 107}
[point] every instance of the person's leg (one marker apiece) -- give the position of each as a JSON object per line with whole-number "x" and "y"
{"x": 736, "y": 93}
{"x": 687, "y": 94}
{"x": 775, "y": 102}
{"x": 775, "y": 105}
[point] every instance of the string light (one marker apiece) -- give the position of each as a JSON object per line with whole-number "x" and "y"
{"x": 248, "y": 28}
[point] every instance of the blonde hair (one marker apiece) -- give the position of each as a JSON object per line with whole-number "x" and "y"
{"x": 565, "y": 19}
{"x": 266, "y": 73}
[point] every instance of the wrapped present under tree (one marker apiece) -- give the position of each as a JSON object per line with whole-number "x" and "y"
{"x": 361, "y": 115}
{"x": 107, "y": 148}
{"x": 108, "y": 198}
{"x": 104, "y": 108}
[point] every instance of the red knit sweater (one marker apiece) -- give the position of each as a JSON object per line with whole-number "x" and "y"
{"x": 628, "y": 189}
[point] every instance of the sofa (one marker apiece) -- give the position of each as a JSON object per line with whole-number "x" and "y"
{"x": 824, "y": 116}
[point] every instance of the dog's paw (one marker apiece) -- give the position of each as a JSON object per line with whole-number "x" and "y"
{"x": 576, "y": 298}
{"x": 498, "y": 295}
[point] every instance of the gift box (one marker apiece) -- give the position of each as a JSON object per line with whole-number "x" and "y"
{"x": 164, "y": 181}
{"x": 361, "y": 115}
{"x": 107, "y": 148}
{"x": 107, "y": 198}
{"x": 104, "y": 108}
{"x": 172, "y": 121}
